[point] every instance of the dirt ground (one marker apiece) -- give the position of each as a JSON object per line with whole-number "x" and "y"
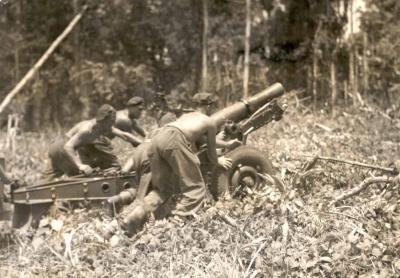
{"x": 297, "y": 231}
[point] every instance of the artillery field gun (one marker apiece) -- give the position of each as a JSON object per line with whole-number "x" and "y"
{"x": 238, "y": 121}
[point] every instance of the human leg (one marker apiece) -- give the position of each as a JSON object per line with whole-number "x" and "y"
{"x": 185, "y": 165}
{"x": 59, "y": 162}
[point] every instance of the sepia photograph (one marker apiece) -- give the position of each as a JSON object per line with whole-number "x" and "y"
{"x": 199, "y": 138}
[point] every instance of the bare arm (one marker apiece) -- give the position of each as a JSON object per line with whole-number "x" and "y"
{"x": 230, "y": 144}
{"x": 138, "y": 129}
{"x": 128, "y": 166}
{"x": 73, "y": 143}
{"x": 76, "y": 128}
{"x": 126, "y": 136}
{"x": 211, "y": 143}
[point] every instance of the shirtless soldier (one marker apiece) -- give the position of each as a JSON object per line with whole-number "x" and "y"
{"x": 175, "y": 167}
{"x": 78, "y": 151}
{"x": 204, "y": 103}
{"x": 127, "y": 118}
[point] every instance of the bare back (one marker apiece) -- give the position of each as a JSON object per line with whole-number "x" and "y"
{"x": 123, "y": 122}
{"x": 82, "y": 133}
{"x": 193, "y": 125}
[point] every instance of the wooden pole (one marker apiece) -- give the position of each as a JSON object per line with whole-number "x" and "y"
{"x": 204, "y": 74}
{"x": 247, "y": 50}
{"x": 29, "y": 75}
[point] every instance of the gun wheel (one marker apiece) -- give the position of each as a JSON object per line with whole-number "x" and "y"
{"x": 247, "y": 163}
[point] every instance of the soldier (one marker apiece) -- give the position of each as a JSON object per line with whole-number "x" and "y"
{"x": 206, "y": 103}
{"x": 127, "y": 119}
{"x": 79, "y": 150}
{"x": 139, "y": 160}
{"x": 160, "y": 110}
{"x": 175, "y": 167}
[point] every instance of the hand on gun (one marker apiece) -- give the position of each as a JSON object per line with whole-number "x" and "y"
{"x": 86, "y": 169}
{"x": 225, "y": 162}
{"x": 232, "y": 144}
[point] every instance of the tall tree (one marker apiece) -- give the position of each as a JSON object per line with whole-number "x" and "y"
{"x": 247, "y": 50}
{"x": 365, "y": 64}
{"x": 204, "y": 74}
{"x": 352, "y": 58}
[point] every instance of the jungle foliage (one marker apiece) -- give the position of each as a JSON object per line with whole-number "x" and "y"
{"x": 124, "y": 48}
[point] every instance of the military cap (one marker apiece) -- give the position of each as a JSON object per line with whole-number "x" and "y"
{"x": 204, "y": 98}
{"x": 104, "y": 111}
{"x": 135, "y": 101}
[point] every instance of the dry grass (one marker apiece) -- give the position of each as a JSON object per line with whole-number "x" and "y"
{"x": 290, "y": 233}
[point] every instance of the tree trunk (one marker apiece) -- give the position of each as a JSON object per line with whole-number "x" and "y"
{"x": 333, "y": 84}
{"x": 356, "y": 72}
{"x": 315, "y": 73}
{"x": 204, "y": 47}
{"x": 365, "y": 65}
{"x": 17, "y": 42}
{"x": 351, "y": 76}
{"x": 352, "y": 87}
{"x": 197, "y": 18}
{"x": 247, "y": 50}
{"x": 79, "y": 88}
{"x": 218, "y": 77}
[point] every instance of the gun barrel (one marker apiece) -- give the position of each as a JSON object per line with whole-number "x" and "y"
{"x": 241, "y": 110}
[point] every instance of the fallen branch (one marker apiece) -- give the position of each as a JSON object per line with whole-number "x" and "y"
{"x": 355, "y": 163}
{"x": 362, "y": 186}
{"x": 29, "y": 75}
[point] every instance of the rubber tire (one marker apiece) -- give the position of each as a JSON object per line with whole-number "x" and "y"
{"x": 221, "y": 179}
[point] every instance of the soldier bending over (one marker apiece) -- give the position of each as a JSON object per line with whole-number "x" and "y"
{"x": 78, "y": 151}
{"x": 176, "y": 168}
{"x": 126, "y": 120}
